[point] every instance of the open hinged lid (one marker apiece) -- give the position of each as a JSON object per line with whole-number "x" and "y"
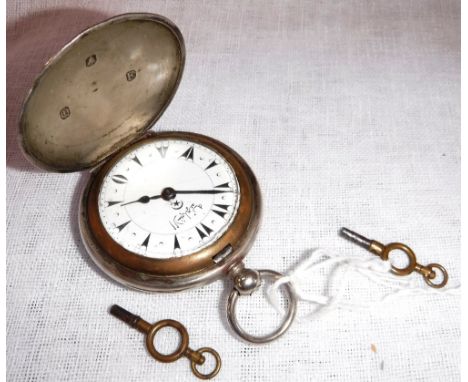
{"x": 103, "y": 90}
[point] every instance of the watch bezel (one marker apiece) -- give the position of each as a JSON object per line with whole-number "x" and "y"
{"x": 149, "y": 273}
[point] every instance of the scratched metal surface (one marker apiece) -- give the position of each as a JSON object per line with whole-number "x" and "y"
{"x": 349, "y": 114}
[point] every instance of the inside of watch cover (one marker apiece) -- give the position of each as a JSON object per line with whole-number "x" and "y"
{"x": 101, "y": 91}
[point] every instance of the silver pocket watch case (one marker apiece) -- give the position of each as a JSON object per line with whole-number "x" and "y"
{"x": 102, "y": 91}
{"x": 98, "y": 97}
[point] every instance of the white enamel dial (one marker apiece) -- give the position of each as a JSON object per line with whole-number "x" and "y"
{"x": 168, "y": 198}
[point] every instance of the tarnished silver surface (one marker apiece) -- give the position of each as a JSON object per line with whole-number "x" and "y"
{"x": 95, "y": 99}
{"x": 287, "y": 320}
{"x": 101, "y": 91}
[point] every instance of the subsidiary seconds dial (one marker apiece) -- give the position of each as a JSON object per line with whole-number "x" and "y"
{"x": 169, "y": 197}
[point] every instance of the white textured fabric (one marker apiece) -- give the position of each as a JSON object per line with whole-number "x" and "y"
{"x": 349, "y": 114}
{"x": 321, "y": 280}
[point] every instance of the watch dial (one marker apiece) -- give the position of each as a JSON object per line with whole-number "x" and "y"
{"x": 168, "y": 198}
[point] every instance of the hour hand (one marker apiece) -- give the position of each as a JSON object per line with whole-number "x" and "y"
{"x": 144, "y": 199}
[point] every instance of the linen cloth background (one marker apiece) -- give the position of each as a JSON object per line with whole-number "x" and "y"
{"x": 349, "y": 114}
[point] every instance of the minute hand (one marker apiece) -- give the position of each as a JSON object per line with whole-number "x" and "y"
{"x": 179, "y": 192}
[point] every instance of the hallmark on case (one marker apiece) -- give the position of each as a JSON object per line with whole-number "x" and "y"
{"x": 65, "y": 112}
{"x": 91, "y": 60}
{"x": 131, "y": 74}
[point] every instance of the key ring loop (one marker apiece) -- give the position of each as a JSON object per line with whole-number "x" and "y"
{"x": 287, "y": 321}
{"x": 429, "y": 281}
{"x": 179, "y": 352}
{"x": 215, "y": 371}
{"x": 408, "y": 252}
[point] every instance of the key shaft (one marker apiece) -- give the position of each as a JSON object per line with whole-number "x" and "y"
{"x": 383, "y": 251}
{"x": 196, "y": 357}
{"x": 356, "y": 238}
{"x": 131, "y": 319}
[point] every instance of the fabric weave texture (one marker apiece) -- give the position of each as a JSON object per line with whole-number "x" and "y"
{"x": 348, "y": 112}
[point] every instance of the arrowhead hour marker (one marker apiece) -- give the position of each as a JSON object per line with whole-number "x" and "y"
{"x": 201, "y": 233}
{"x": 212, "y": 164}
{"x": 220, "y": 213}
{"x": 224, "y": 185}
{"x": 188, "y": 154}
{"x": 222, "y": 206}
{"x": 135, "y": 158}
{"x": 145, "y": 243}
{"x": 122, "y": 226}
{"x": 208, "y": 230}
{"x": 176, "y": 243}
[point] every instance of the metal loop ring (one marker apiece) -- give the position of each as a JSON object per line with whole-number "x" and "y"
{"x": 287, "y": 321}
{"x": 429, "y": 281}
{"x": 215, "y": 371}
{"x": 409, "y": 253}
{"x": 179, "y": 352}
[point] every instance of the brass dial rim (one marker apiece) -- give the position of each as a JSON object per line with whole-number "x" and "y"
{"x": 244, "y": 220}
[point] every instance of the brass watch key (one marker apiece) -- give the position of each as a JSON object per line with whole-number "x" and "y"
{"x": 196, "y": 357}
{"x": 383, "y": 251}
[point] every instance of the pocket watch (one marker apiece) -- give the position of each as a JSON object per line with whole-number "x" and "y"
{"x": 161, "y": 212}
